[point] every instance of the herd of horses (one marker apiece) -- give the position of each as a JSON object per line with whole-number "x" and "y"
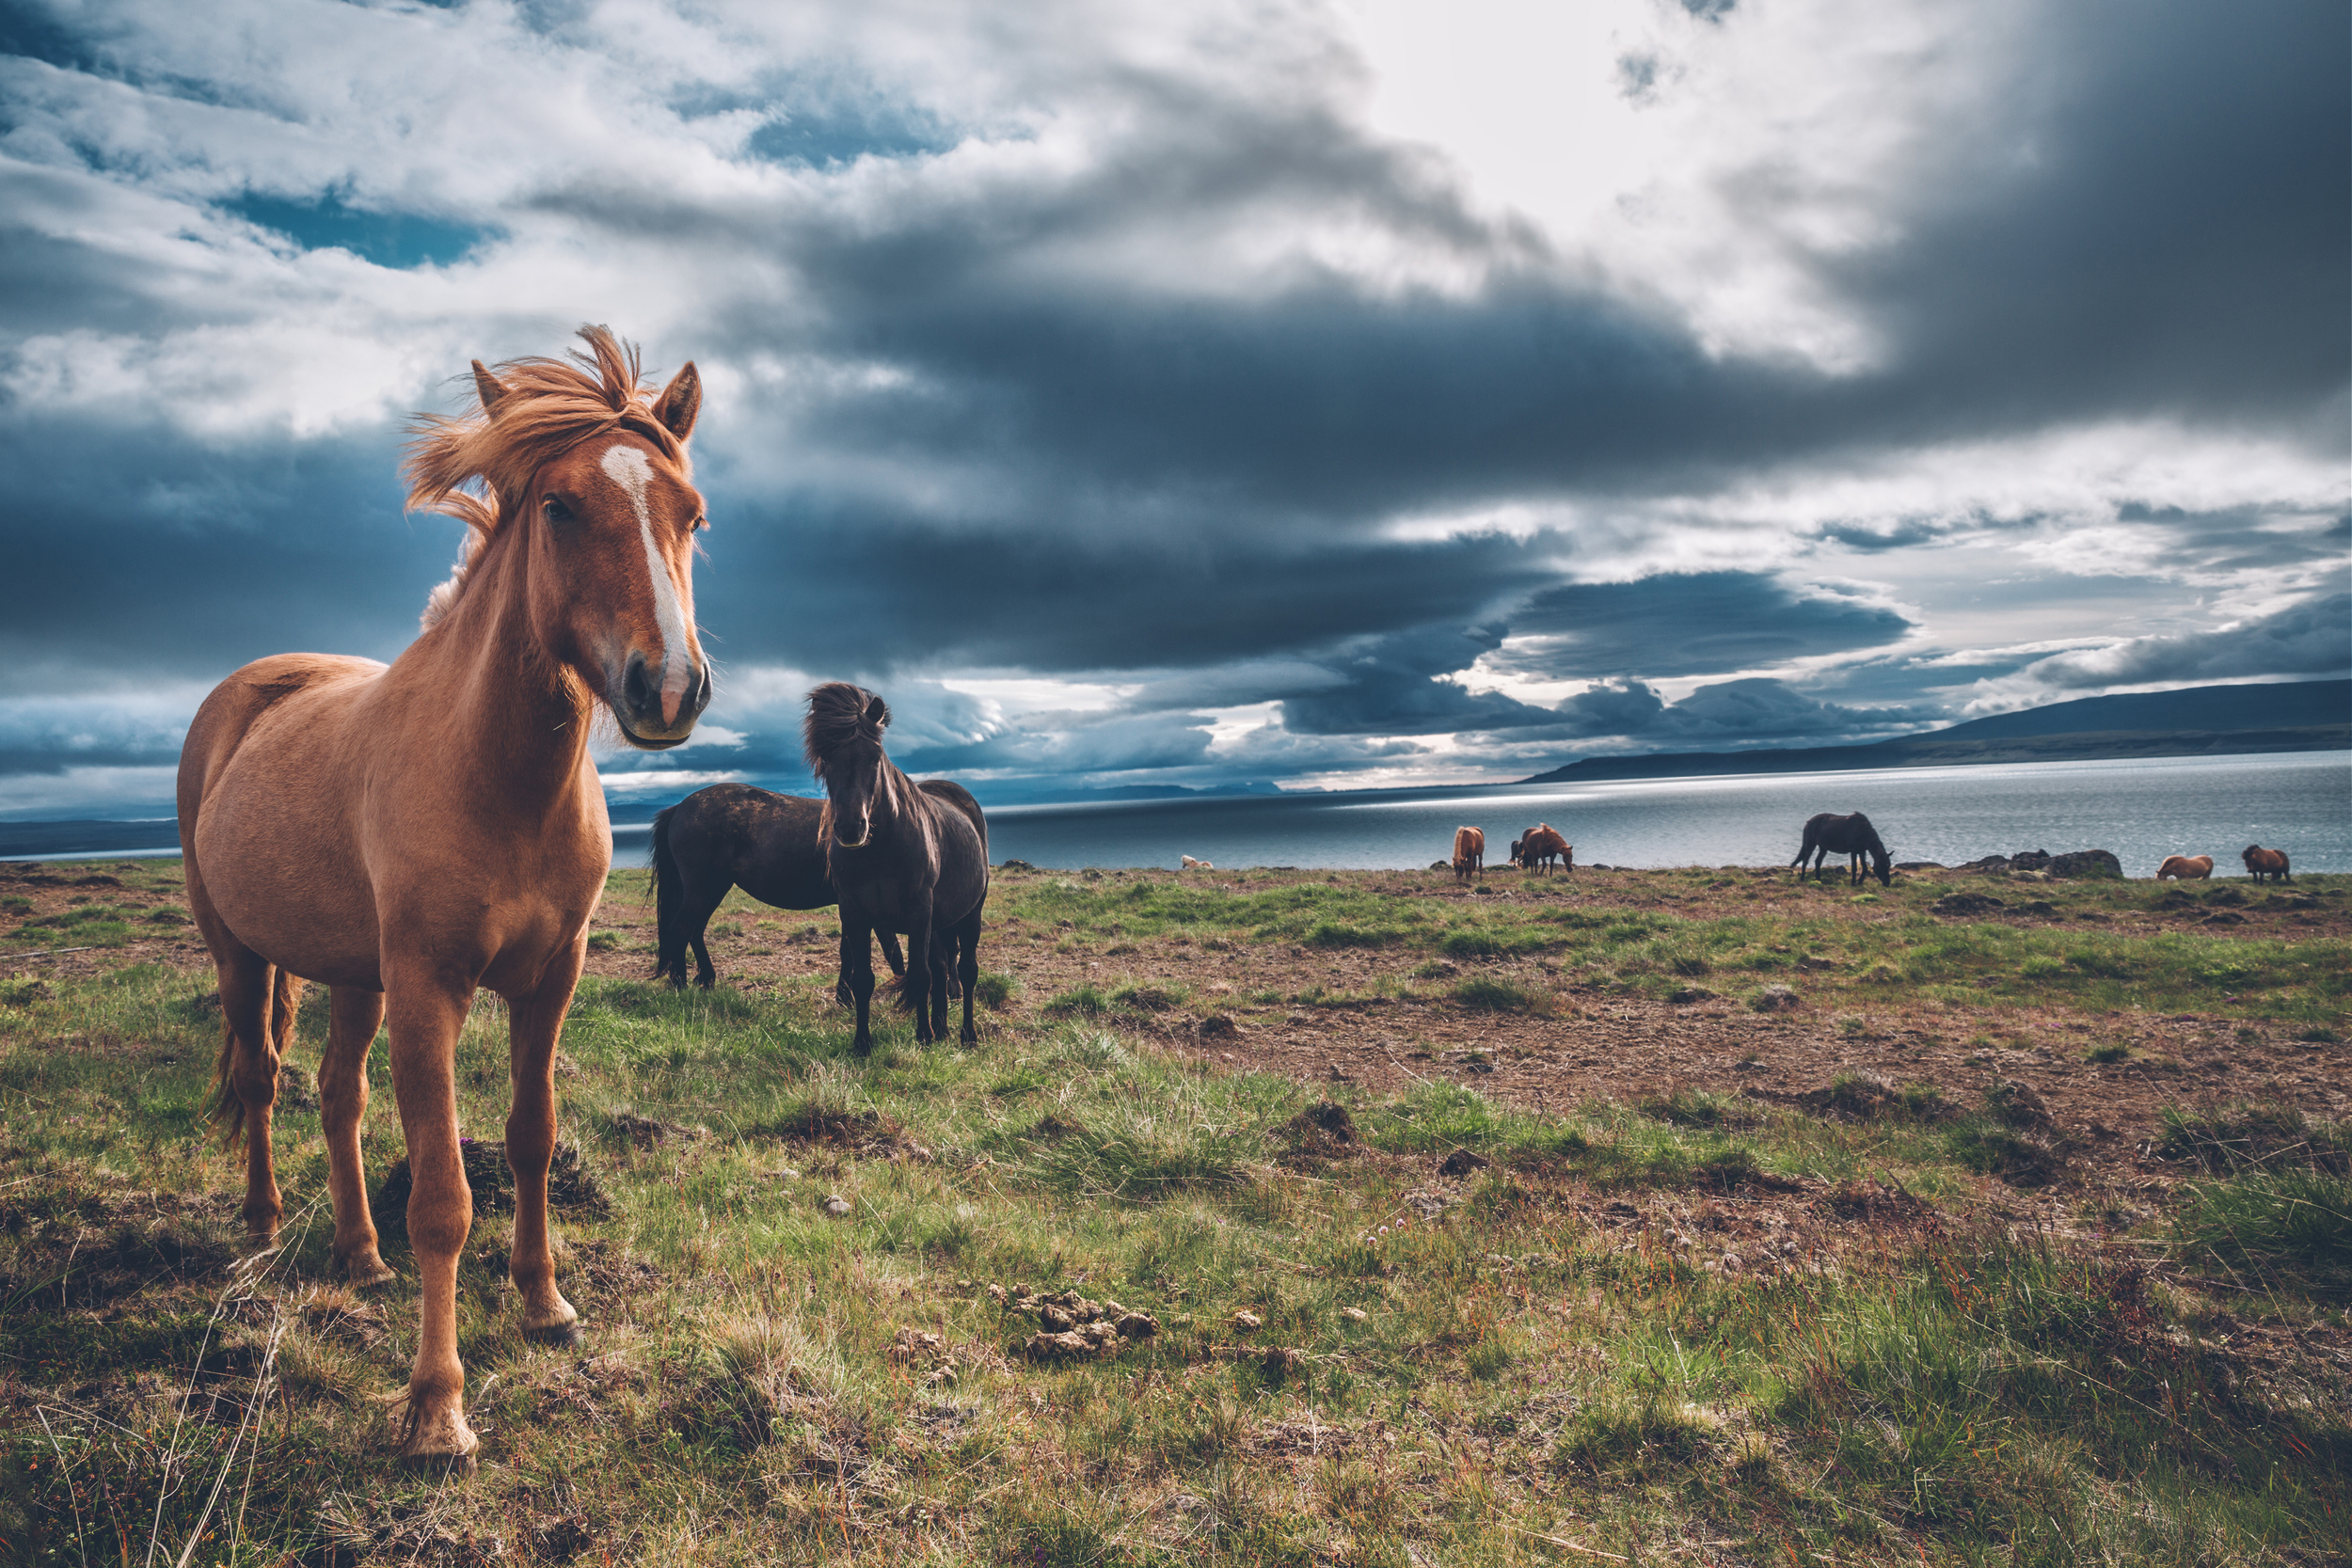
{"x": 413, "y": 834}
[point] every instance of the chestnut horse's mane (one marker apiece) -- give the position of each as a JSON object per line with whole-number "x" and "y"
{"x": 836, "y": 716}
{"x": 549, "y": 407}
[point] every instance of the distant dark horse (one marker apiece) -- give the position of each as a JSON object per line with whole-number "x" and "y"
{"x": 903, "y": 857}
{"x": 732, "y": 836}
{"x": 1850, "y": 836}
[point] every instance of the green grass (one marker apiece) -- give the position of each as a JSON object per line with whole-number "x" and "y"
{"x": 1446, "y": 1369}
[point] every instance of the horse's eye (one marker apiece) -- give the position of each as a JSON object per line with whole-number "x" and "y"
{"x": 554, "y": 510}
{"x": 702, "y": 521}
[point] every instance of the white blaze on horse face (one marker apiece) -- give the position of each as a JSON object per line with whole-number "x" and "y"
{"x": 625, "y": 467}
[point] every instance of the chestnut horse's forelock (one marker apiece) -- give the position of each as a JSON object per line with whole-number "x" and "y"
{"x": 549, "y": 407}
{"x": 838, "y": 716}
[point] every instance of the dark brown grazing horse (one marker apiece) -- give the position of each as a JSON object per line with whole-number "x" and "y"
{"x": 1850, "y": 836}
{"x": 412, "y": 833}
{"x": 903, "y": 857}
{"x": 2262, "y": 863}
{"x": 727, "y": 836}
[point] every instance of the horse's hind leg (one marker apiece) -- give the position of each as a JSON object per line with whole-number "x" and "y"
{"x": 537, "y": 1023}
{"x": 252, "y": 1038}
{"x": 968, "y": 970}
{"x": 356, "y": 1014}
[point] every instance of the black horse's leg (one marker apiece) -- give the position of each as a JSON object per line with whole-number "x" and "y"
{"x": 919, "y": 950}
{"x": 702, "y": 902}
{"x": 857, "y": 971}
{"x": 943, "y": 953}
{"x": 890, "y": 951}
{"x": 968, "y": 970}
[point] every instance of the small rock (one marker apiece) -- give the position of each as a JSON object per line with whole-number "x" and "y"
{"x": 998, "y": 1294}
{"x": 836, "y": 1205}
{"x": 1776, "y": 999}
{"x": 1055, "y": 1318}
{"x": 1462, "y": 1162}
{"x": 1137, "y": 1325}
{"x": 1071, "y": 1346}
{"x": 1353, "y": 1314}
{"x": 1245, "y": 1323}
{"x": 1733, "y": 1262}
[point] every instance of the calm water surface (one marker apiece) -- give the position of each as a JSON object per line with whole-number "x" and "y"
{"x": 2143, "y": 811}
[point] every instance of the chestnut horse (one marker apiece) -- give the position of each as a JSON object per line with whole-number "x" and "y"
{"x": 918, "y": 863}
{"x": 1543, "y": 846}
{"x": 2262, "y": 863}
{"x": 408, "y": 835}
{"x": 1469, "y": 853}
{"x": 2185, "y": 868}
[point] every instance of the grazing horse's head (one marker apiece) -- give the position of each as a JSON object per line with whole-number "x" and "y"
{"x": 1882, "y": 865}
{"x": 588, "y": 489}
{"x": 843, "y": 739}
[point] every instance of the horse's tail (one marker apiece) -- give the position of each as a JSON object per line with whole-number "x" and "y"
{"x": 667, "y": 888}
{"x": 283, "y": 1001}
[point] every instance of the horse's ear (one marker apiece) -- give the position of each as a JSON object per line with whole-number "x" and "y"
{"x": 681, "y": 400}
{"x": 878, "y": 713}
{"x": 486, "y": 387}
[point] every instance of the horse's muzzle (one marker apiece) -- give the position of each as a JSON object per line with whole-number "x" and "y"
{"x": 636, "y": 706}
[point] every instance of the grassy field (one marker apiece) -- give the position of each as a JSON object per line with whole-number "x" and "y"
{"x": 839, "y": 1308}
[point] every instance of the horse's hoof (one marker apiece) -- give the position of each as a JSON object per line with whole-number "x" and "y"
{"x": 563, "y": 1335}
{"x": 445, "y": 1445}
{"x": 366, "y": 1273}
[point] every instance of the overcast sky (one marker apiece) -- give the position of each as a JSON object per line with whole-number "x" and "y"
{"x": 1331, "y": 393}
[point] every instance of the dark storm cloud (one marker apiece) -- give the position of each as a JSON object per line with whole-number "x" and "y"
{"x": 2159, "y": 224}
{"x": 1735, "y": 713}
{"x": 2310, "y": 639}
{"x": 832, "y": 587}
{"x": 144, "y": 554}
{"x": 1390, "y": 686}
{"x": 1695, "y": 624}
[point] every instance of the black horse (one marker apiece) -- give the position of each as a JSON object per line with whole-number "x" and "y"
{"x": 732, "y": 836}
{"x": 903, "y": 857}
{"x": 1850, "y": 836}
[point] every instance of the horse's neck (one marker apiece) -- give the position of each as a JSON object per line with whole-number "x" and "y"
{"x": 509, "y": 720}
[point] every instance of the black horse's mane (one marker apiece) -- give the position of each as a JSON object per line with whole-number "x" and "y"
{"x": 839, "y": 713}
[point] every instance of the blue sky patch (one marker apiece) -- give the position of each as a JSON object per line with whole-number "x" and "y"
{"x": 399, "y": 240}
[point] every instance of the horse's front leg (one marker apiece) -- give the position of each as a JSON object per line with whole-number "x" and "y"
{"x": 427, "y": 1009}
{"x": 921, "y": 946}
{"x": 536, "y": 1023}
{"x": 355, "y": 1014}
{"x": 857, "y": 972}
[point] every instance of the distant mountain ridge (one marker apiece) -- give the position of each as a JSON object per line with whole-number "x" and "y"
{"x": 2204, "y": 720}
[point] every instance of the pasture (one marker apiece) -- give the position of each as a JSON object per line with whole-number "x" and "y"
{"x": 1696, "y": 1216}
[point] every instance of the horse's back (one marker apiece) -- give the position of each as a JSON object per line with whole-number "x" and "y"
{"x": 765, "y": 843}
{"x": 962, "y": 861}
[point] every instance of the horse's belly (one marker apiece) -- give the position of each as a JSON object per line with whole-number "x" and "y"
{"x": 295, "y": 893}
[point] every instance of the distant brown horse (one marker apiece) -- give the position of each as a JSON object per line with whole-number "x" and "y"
{"x": 1543, "y": 846}
{"x": 408, "y": 835}
{"x": 1469, "y": 853}
{"x": 2262, "y": 863}
{"x": 2185, "y": 868}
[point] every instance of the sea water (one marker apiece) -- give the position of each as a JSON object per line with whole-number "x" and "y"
{"x": 2143, "y": 811}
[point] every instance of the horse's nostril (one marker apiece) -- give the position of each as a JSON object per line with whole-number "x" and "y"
{"x": 636, "y": 686}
